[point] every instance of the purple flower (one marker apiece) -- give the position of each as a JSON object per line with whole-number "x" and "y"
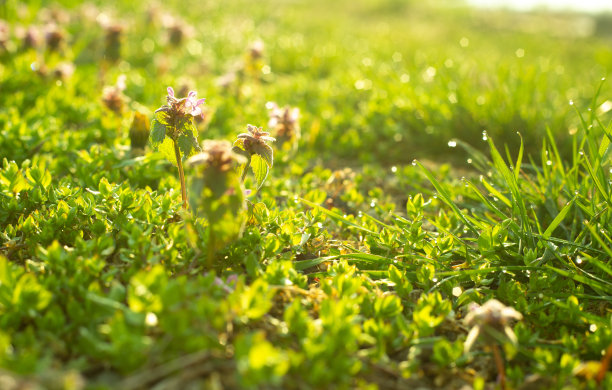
{"x": 185, "y": 106}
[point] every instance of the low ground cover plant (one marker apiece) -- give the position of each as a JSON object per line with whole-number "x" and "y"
{"x": 426, "y": 212}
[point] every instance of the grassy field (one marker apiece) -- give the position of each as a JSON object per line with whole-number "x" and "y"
{"x": 438, "y": 214}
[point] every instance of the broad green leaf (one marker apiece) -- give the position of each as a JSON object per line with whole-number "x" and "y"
{"x": 188, "y": 145}
{"x": 260, "y": 169}
{"x": 162, "y": 117}
{"x": 266, "y": 152}
{"x": 238, "y": 148}
{"x": 158, "y": 133}
{"x": 167, "y": 150}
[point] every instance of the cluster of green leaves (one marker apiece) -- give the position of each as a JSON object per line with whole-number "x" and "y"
{"x": 343, "y": 277}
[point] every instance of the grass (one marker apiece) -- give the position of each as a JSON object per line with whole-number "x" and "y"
{"x": 409, "y": 197}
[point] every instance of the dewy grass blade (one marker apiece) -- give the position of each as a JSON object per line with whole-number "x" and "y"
{"x": 501, "y": 166}
{"x": 597, "y": 183}
{"x": 445, "y": 197}
{"x": 558, "y": 219}
{"x": 599, "y": 286}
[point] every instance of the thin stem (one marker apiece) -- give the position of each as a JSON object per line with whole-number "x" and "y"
{"x": 605, "y": 363}
{"x": 499, "y": 363}
{"x": 210, "y": 246}
{"x": 179, "y": 163}
{"x": 246, "y": 169}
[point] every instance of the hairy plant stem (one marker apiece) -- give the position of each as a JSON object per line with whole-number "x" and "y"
{"x": 179, "y": 163}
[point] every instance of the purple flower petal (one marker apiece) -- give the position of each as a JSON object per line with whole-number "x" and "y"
{"x": 200, "y": 101}
{"x": 170, "y": 91}
{"x": 196, "y": 111}
{"x": 192, "y": 94}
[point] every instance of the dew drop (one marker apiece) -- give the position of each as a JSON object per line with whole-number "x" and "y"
{"x": 593, "y": 328}
{"x": 457, "y": 291}
{"x": 578, "y": 260}
{"x": 571, "y": 102}
{"x": 469, "y": 161}
{"x": 393, "y": 169}
{"x": 485, "y": 136}
{"x": 435, "y": 280}
{"x": 549, "y": 163}
{"x": 414, "y": 162}
{"x": 452, "y": 144}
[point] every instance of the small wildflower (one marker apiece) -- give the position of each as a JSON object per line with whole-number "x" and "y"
{"x": 32, "y": 38}
{"x": 178, "y": 30}
{"x": 284, "y": 121}
{"x": 255, "y": 136}
{"x": 490, "y": 320}
{"x": 113, "y": 97}
{"x": 113, "y": 37}
{"x": 63, "y": 70}
{"x": 256, "y": 49}
{"x": 54, "y": 37}
{"x": 217, "y": 155}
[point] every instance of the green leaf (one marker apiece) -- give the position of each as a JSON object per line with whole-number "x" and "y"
{"x": 266, "y": 152}
{"x": 167, "y": 150}
{"x": 558, "y": 219}
{"x": 162, "y": 116}
{"x": 158, "y": 133}
{"x": 260, "y": 170}
{"x": 188, "y": 145}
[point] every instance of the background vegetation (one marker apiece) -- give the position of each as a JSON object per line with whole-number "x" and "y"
{"x": 357, "y": 264}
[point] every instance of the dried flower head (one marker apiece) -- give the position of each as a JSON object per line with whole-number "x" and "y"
{"x": 492, "y": 321}
{"x": 113, "y": 97}
{"x": 217, "y": 155}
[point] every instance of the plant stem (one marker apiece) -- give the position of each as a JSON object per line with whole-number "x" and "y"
{"x": 246, "y": 169}
{"x": 499, "y": 363}
{"x": 605, "y": 363}
{"x": 179, "y": 163}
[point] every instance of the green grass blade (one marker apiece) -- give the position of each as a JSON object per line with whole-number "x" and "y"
{"x": 445, "y": 197}
{"x": 558, "y": 219}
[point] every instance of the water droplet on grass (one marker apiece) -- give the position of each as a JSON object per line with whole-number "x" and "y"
{"x": 452, "y": 144}
{"x": 549, "y": 163}
{"x": 485, "y": 136}
{"x": 469, "y": 160}
{"x": 593, "y": 328}
{"x": 578, "y": 260}
{"x": 457, "y": 291}
{"x": 393, "y": 169}
{"x": 571, "y": 102}
{"x": 414, "y": 162}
